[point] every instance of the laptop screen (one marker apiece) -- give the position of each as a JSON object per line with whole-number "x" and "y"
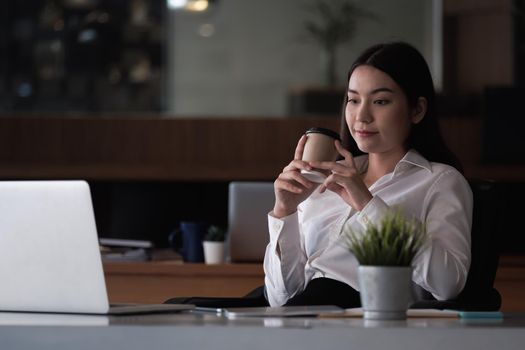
{"x": 49, "y": 252}
{"x": 248, "y": 206}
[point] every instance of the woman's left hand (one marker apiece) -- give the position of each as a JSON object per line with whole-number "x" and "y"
{"x": 345, "y": 179}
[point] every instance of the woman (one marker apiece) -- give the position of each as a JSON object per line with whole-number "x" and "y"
{"x": 391, "y": 154}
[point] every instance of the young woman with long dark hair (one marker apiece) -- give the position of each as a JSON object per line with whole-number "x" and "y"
{"x": 391, "y": 155}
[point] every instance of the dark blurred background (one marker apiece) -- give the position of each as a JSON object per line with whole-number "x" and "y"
{"x": 109, "y": 63}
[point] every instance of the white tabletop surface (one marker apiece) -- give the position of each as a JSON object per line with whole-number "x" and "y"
{"x": 190, "y": 330}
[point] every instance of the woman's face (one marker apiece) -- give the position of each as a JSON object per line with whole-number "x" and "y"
{"x": 377, "y": 112}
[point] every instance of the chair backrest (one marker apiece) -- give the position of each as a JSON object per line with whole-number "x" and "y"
{"x": 479, "y": 292}
{"x": 479, "y": 288}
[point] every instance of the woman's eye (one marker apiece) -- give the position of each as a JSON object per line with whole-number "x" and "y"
{"x": 351, "y": 100}
{"x": 381, "y": 102}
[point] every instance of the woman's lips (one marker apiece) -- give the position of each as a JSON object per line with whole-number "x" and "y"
{"x": 365, "y": 133}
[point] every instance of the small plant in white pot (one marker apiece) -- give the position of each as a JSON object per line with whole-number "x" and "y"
{"x": 213, "y": 245}
{"x": 385, "y": 252}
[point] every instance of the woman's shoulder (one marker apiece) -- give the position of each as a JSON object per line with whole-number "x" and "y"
{"x": 440, "y": 175}
{"x": 442, "y": 168}
{"x": 434, "y": 169}
{"x": 448, "y": 176}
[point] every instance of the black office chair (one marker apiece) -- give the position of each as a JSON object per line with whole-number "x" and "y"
{"x": 255, "y": 298}
{"x": 479, "y": 293}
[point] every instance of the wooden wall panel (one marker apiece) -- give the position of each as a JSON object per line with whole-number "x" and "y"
{"x": 184, "y": 149}
{"x": 147, "y": 148}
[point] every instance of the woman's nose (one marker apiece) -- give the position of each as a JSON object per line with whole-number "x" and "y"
{"x": 363, "y": 114}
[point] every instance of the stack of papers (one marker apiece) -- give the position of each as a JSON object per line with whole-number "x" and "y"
{"x": 428, "y": 313}
{"x": 125, "y": 249}
{"x": 358, "y": 312}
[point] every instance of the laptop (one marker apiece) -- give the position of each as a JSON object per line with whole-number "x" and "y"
{"x": 248, "y": 206}
{"x": 49, "y": 252}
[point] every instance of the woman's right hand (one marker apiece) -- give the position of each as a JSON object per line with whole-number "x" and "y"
{"x": 290, "y": 187}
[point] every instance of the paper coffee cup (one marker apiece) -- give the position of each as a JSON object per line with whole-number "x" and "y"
{"x": 319, "y": 147}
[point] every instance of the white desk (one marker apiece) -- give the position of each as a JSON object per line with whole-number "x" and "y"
{"x": 198, "y": 331}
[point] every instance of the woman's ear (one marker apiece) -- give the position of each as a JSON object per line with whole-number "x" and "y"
{"x": 418, "y": 113}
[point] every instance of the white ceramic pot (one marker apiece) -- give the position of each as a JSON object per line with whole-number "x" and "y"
{"x": 385, "y": 291}
{"x": 213, "y": 252}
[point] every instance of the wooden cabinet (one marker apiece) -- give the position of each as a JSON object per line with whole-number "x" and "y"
{"x": 155, "y": 282}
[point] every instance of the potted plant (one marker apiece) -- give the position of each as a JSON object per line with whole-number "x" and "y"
{"x": 329, "y": 24}
{"x": 333, "y": 23}
{"x": 385, "y": 251}
{"x": 213, "y": 245}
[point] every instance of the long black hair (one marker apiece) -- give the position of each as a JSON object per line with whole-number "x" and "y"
{"x": 408, "y": 68}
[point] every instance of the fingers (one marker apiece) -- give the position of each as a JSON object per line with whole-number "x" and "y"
{"x": 346, "y": 154}
{"x": 342, "y": 151}
{"x": 291, "y": 173}
{"x": 293, "y": 182}
{"x": 330, "y": 185}
{"x": 292, "y": 179}
{"x": 282, "y": 185}
{"x": 299, "y": 149}
{"x": 335, "y": 179}
{"x": 334, "y": 167}
{"x": 345, "y": 167}
{"x": 297, "y": 165}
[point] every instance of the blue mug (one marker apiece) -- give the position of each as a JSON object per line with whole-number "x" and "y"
{"x": 187, "y": 240}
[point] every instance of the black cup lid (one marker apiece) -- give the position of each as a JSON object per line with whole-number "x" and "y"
{"x": 324, "y": 131}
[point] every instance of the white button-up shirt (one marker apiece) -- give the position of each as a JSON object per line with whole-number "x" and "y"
{"x": 311, "y": 243}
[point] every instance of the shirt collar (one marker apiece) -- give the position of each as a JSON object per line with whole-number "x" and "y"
{"x": 411, "y": 158}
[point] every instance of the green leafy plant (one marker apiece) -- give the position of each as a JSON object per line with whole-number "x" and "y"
{"x": 335, "y": 21}
{"x": 215, "y": 234}
{"x": 393, "y": 242}
{"x": 331, "y": 24}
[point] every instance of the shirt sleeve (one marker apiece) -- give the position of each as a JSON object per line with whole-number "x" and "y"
{"x": 284, "y": 260}
{"x": 373, "y": 212}
{"x": 442, "y": 265}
